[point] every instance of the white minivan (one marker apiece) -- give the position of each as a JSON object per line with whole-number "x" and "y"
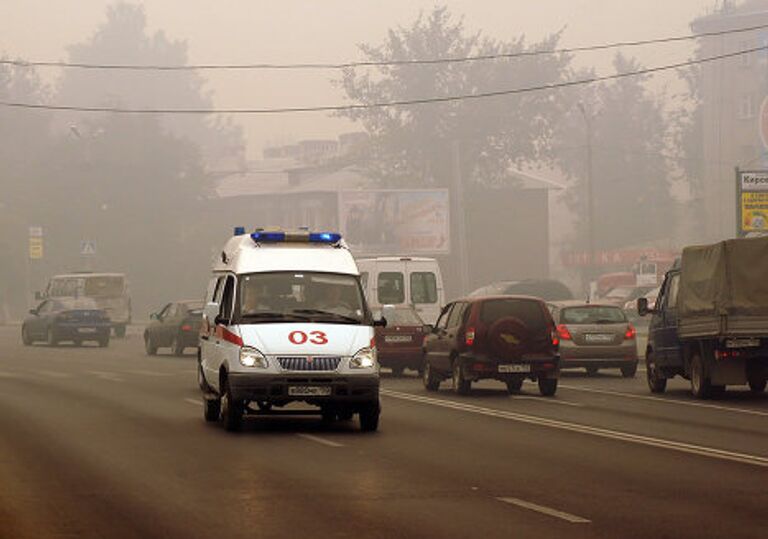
{"x": 285, "y": 320}
{"x": 402, "y": 280}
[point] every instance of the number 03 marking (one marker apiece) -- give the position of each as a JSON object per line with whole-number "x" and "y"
{"x": 315, "y": 337}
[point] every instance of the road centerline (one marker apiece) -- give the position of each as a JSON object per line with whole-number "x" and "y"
{"x": 666, "y": 401}
{"x": 721, "y": 454}
{"x": 562, "y": 515}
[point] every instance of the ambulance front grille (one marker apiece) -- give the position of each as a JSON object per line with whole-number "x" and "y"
{"x": 308, "y": 363}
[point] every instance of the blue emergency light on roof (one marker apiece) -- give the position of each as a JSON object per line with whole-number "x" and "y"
{"x": 301, "y": 237}
{"x": 239, "y": 231}
{"x": 324, "y": 237}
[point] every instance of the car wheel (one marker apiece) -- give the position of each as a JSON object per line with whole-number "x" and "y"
{"x": 104, "y": 342}
{"x": 701, "y": 386}
{"x": 120, "y": 331}
{"x": 431, "y": 381}
{"x": 231, "y": 410}
{"x": 757, "y": 385}
{"x": 328, "y": 414}
{"x": 369, "y": 417}
{"x": 25, "y": 337}
{"x": 345, "y": 415}
{"x": 547, "y": 386}
{"x": 51, "y": 339}
{"x": 514, "y": 385}
{"x": 629, "y": 371}
{"x": 397, "y": 372}
{"x": 592, "y": 371}
{"x": 211, "y": 410}
{"x": 461, "y": 385}
{"x": 656, "y": 382}
{"x": 78, "y": 342}
{"x": 149, "y": 345}
{"x": 176, "y": 347}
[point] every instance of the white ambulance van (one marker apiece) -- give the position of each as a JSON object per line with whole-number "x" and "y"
{"x": 286, "y": 320}
{"x": 403, "y": 280}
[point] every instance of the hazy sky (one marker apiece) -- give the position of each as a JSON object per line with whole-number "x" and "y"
{"x": 330, "y": 30}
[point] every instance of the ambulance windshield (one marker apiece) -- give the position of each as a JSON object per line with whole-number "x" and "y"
{"x": 297, "y": 296}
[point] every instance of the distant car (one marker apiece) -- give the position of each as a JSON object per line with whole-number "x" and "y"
{"x": 594, "y": 337}
{"x": 66, "y": 319}
{"x": 504, "y": 338}
{"x": 400, "y": 344}
{"x": 546, "y": 289}
{"x": 108, "y": 290}
{"x": 176, "y": 326}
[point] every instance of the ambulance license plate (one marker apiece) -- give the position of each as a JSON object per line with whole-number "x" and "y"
{"x": 309, "y": 391}
{"x": 515, "y": 368}
{"x": 397, "y": 338}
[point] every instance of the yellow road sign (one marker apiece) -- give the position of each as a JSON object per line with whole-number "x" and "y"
{"x": 35, "y": 248}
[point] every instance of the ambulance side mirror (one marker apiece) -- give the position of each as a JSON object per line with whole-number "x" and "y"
{"x": 211, "y": 312}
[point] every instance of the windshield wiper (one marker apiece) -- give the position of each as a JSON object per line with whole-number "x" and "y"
{"x": 320, "y": 312}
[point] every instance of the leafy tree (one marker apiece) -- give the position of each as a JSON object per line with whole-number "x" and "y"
{"x": 630, "y": 170}
{"x": 123, "y": 39}
{"x": 411, "y": 146}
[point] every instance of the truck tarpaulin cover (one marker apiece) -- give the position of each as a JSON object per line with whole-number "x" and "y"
{"x": 729, "y": 278}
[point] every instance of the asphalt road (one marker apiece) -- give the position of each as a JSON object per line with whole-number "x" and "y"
{"x": 109, "y": 443}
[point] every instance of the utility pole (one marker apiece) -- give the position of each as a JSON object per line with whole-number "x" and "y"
{"x": 459, "y": 215}
{"x": 590, "y": 273}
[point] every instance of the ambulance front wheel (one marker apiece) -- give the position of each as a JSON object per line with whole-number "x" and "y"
{"x": 369, "y": 417}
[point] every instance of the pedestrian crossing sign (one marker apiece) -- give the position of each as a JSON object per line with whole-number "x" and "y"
{"x": 87, "y": 248}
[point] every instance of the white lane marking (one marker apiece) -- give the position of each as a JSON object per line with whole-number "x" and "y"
{"x": 110, "y": 376}
{"x": 52, "y": 374}
{"x": 545, "y": 399}
{"x": 150, "y": 373}
{"x": 693, "y": 449}
{"x": 193, "y": 401}
{"x": 319, "y": 440}
{"x": 666, "y": 401}
{"x": 545, "y": 510}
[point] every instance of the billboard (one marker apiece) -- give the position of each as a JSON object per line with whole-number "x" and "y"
{"x": 395, "y": 221}
{"x": 753, "y": 203}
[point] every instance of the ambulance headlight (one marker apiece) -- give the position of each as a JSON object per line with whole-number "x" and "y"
{"x": 250, "y": 357}
{"x": 363, "y": 359}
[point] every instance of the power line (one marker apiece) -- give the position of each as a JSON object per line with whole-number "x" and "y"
{"x": 401, "y": 103}
{"x": 382, "y": 63}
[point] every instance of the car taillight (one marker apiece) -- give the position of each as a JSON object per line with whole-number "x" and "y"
{"x": 631, "y": 332}
{"x": 563, "y": 333}
{"x": 186, "y": 327}
{"x": 469, "y": 337}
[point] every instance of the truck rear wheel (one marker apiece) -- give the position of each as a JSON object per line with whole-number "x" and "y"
{"x": 656, "y": 382}
{"x": 701, "y": 386}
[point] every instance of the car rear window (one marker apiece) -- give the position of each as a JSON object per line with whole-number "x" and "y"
{"x": 423, "y": 287}
{"x": 528, "y": 311}
{"x": 402, "y": 317}
{"x": 391, "y": 287}
{"x": 592, "y": 315}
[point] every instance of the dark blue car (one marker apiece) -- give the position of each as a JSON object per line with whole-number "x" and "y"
{"x": 66, "y": 319}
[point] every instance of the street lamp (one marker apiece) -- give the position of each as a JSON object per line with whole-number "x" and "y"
{"x": 590, "y": 273}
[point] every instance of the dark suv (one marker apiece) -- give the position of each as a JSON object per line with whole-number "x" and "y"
{"x": 505, "y": 338}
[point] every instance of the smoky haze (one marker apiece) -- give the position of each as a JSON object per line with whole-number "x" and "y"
{"x": 157, "y": 194}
